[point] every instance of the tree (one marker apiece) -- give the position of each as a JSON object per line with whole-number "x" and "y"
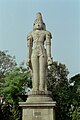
{"x": 59, "y": 86}
{"x": 75, "y": 97}
{"x": 13, "y": 81}
{"x": 16, "y": 84}
{"x": 7, "y": 63}
{"x": 17, "y": 80}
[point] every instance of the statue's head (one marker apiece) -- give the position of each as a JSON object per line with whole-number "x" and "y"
{"x": 38, "y": 23}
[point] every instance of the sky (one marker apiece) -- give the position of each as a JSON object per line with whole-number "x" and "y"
{"x": 62, "y": 18}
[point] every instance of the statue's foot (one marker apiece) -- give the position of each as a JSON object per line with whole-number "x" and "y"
{"x": 41, "y": 89}
{"x": 35, "y": 89}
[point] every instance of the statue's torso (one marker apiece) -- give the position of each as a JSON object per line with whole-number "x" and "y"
{"x": 38, "y": 37}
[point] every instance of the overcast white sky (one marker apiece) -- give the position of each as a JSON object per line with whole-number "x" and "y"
{"x": 62, "y": 18}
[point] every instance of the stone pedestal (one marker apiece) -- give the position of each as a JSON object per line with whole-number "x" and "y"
{"x": 39, "y": 106}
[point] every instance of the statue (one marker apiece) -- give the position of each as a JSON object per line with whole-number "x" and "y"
{"x": 39, "y": 104}
{"x": 39, "y": 53}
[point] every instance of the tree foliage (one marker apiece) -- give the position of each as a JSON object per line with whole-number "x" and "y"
{"x": 75, "y": 96}
{"x": 59, "y": 86}
{"x": 16, "y": 84}
{"x": 65, "y": 92}
{"x": 15, "y": 81}
{"x": 7, "y": 63}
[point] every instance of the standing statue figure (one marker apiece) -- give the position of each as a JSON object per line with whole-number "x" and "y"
{"x": 39, "y": 53}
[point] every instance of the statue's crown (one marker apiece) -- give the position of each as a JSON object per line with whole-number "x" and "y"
{"x": 39, "y": 16}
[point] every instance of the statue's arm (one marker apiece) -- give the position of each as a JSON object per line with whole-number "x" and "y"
{"x": 48, "y": 47}
{"x": 29, "y": 45}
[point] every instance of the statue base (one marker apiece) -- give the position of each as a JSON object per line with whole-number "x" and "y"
{"x": 39, "y": 106}
{"x": 39, "y": 96}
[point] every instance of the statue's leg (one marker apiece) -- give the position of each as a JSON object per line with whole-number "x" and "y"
{"x": 42, "y": 72}
{"x": 35, "y": 69}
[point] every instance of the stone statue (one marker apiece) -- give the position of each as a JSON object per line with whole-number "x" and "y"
{"x": 39, "y": 53}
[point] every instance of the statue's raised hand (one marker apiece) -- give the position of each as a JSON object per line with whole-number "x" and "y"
{"x": 49, "y": 61}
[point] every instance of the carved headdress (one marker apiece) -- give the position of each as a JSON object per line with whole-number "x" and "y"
{"x": 38, "y": 23}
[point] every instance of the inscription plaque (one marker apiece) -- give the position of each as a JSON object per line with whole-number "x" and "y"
{"x": 37, "y": 113}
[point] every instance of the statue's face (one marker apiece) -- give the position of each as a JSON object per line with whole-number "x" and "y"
{"x": 38, "y": 25}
